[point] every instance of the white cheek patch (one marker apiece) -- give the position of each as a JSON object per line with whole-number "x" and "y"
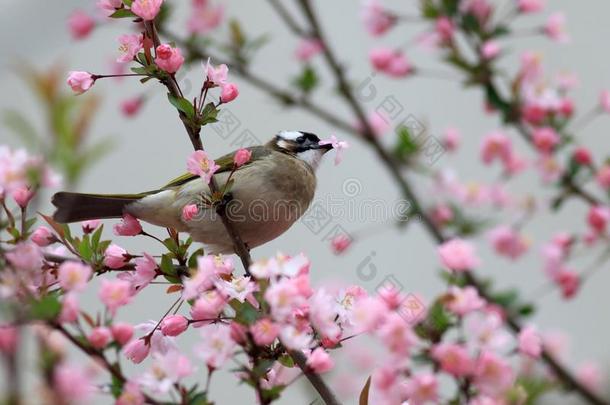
{"x": 290, "y": 135}
{"x": 311, "y": 157}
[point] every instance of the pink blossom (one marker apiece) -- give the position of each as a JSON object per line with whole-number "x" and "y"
{"x": 216, "y": 76}
{"x": 445, "y": 29}
{"x": 293, "y": 338}
{"x": 239, "y": 288}
{"x": 136, "y": 350}
{"x": 116, "y": 257}
{"x": 207, "y": 307}
{"x": 530, "y": 343}
{"x": 80, "y": 24}
{"x": 131, "y": 395}
{"x": 73, "y": 276}
{"x": 582, "y": 156}
{"x": 481, "y": 9}
{"x": 198, "y": 163}
{"x": 545, "y": 139}
{"x": 204, "y": 17}
{"x": 69, "y": 308}
{"x": 22, "y": 196}
{"x": 228, "y": 92}
{"x": 555, "y": 28}
{"x": 453, "y": 359}
{"x": 485, "y": 329}
{"x": 569, "y": 282}
{"x": 451, "y": 139}
{"x": 590, "y": 375}
{"x": 43, "y": 236}
{"x": 340, "y": 243}
{"x": 108, "y": 7}
{"x": 462, "y": 301}
{"x": 99, "y": 337}
{"x": 530, "y": 6}
{"x": 131, "y": 44}
{"x": 147, "y": 9}
{"x": 216, "y": 346}
{"x": 492, "y": 375}
{"x": 391, "y": 62}
{"x": 598, "y": 217}
{"x": 115, "y": 293}
{"x": 9, "y": 339}
{"x": 490, "y": 49}
{"x": 168, "y": 58}
{"x": 129, "y": 226}
{"x": 549, "y": 168}
{"x": 189, "y": 212}
{"x": 457, "y": 254}
{"x": 442, "y": 214}
{"x": 422, "y": 388}
{"x": 122, "y": 332}
{"x": 338, "y": 146}
{"x": 283, "y": 298}
{"x": 496, "y": 145}
{"x": 174, "y": 325}
{"x": 90, "y": 226}
{"x": 508, "y": 242}
{"x": 376, "y": 20}
{"x": 604, "y": 101}
{"x": 73, "y": 384}
{"x": 242, "y": 156}
{"x": 323, "y": 314}
{"x": 308, "y": 48}
{"x": 208, "y": 268}
{"x": 80, "y": 82}
{"x": 603, "y": 177}
{"x": 264, "y": 331}
{"x": 367, "y": 314}
{"x": 166, "y": 371}
{"x": 146, "y": 271}
{"x": 131, "y": 106}
{"x": 319, "y": 361}
{"x": 396, "y": 334}
{"x": 379, "y": 123}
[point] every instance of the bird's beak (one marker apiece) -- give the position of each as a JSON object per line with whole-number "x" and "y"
{"x": 325, "y": 148}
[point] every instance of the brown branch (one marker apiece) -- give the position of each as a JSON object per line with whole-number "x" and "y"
{"x": 316, "y": 381}
{"x": 194, "y": 134}
{"x": 290, "y": 22}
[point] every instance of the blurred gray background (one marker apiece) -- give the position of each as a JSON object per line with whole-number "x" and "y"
{"x": 152, "y": 148}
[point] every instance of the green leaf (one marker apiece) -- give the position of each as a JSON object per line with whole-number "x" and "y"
{"x": 116, "y": 387}
{"x": 167, "y": 266}
{"x": 307, "y": 80}
{"x": 84, "y": 248}
{"x": 128, "y": 3}
{"x": 192, "y": 262}
{"x": 183, "y": 105}
{"x": 209, "y": 114}
{"x": 95, "y": 238}
{"x": 45, "y": 309}
{"x": 286, "y": 361}
{"x": 123, "y": 13}
{"x": 18, "y": 124}
{"x": 246, "y": 314}
{"x": 238, "y": 38}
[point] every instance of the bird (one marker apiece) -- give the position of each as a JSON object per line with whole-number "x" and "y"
{"x": 268, "y": 195}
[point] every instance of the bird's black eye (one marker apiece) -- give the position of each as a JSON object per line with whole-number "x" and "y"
{"x": 300, "y": 139}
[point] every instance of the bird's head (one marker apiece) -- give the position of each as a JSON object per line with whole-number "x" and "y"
{"x": 303, "y": 145}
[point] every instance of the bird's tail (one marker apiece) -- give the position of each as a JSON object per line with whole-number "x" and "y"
{"x": 75, "y": 207}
